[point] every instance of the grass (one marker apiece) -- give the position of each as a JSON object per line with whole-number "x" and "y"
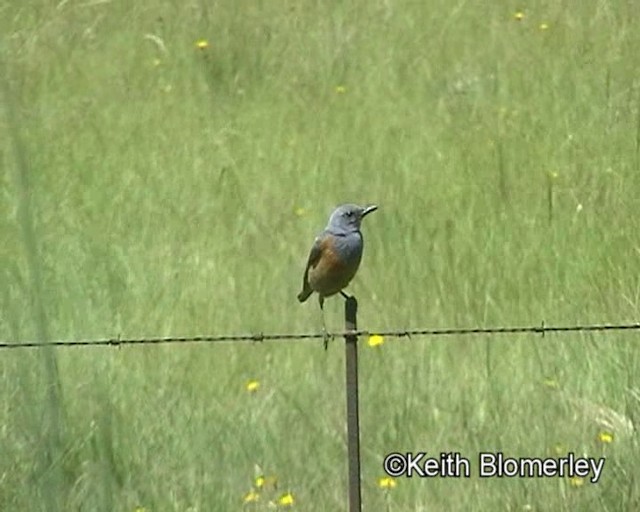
{"x": 175, "y": 190}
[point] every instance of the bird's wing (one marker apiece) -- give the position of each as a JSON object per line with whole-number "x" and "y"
{"x": 314, "y": 256}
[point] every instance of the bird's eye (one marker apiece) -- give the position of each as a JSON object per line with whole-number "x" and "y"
{"x": 349, "y": 213}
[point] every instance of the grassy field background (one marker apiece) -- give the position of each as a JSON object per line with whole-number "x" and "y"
{"x": 176, "y": 189}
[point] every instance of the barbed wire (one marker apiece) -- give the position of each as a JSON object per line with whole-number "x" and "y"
{"x": 262, "y": 337}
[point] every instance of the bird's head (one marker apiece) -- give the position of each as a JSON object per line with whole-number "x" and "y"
{"x": 347, "y": 218}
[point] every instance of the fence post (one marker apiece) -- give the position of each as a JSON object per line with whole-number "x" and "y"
{"x": 353, "y": 419}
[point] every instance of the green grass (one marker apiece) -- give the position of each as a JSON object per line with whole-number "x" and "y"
{"x": 164, "y": 183}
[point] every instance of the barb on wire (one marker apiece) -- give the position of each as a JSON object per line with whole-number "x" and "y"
{"x": 261, "y": 337}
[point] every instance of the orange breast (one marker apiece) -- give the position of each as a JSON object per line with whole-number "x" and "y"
{"x": 331, "y": 273}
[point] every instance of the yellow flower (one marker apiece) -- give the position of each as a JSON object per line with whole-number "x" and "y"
{"x": 251, "y": 497}
{"x": 139, "y": 509}
{"x": 262, "y": 482}
{"x": 386, "y": 482}
{"x": 576, "y": 481}
{"x": 519, "y": 15}
{"x": 340, "y": 89}
{"x": 253, "y": 386}
{"x": 551, "y": 383}
{"x": 202, "y": 44}
{"x": 605, "y": 437}
{"x": 543, "y": 26}
{"x": 156, "y": 63}
{"x": 286, "y": 500}
{"x": 375, "y": 340}
{"x": 300, "y": 211}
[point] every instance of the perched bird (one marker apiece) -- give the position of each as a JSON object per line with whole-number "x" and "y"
{"x": 336, "y": 253}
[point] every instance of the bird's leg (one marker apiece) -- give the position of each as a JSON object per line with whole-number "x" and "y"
{"x": 344, "y": 295}
{"x": 325, "y": 335}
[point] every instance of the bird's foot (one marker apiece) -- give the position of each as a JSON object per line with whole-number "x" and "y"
{"x": 325, "y": 338}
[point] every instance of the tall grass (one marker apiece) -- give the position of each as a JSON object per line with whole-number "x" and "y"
{"x": 176, "y": 190}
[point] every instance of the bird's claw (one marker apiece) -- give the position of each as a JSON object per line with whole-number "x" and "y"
{"x": 325, "y": 338}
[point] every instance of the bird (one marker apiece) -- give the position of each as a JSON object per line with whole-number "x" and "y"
{"x": 335, "y": 255}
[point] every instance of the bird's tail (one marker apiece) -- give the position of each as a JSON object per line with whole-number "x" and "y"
{"x": 305, "y": 294}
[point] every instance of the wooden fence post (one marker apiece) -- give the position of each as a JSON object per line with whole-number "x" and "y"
{"x": 353, "y": 419}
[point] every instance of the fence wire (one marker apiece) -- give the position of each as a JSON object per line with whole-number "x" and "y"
{"x": 541, "y": 329}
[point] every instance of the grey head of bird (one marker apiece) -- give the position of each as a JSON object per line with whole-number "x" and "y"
{"x": 347, "y": 218}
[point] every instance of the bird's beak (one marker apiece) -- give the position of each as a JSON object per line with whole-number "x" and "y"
{"x": 368, "y": 209}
